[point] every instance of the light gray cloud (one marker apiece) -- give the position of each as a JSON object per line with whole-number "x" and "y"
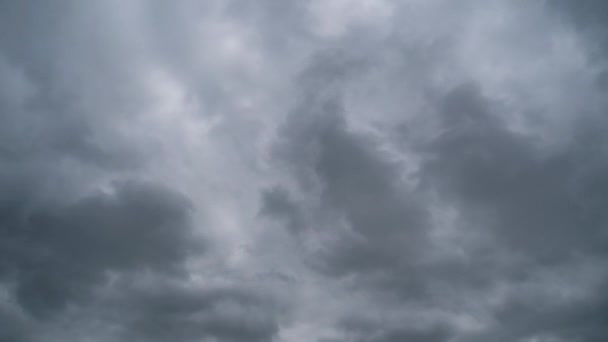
{"x": 337, "y": 170}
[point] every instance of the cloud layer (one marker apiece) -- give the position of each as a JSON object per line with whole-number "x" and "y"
{"x": 344, "y": 170}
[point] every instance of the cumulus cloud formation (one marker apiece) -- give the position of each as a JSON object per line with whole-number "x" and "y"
{"x": 340, "y": 170}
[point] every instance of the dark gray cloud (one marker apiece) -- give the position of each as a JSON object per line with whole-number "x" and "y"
{"x": 13, "y": 326}
{"x": 337, "y": 170}
{"x": 543, "y": 207}
{"x": 516, "y": 210}
{"x": 85, "y": 210}
{"x": 360, "y": 186}
{"x": 229, "y": 313}
{"x": 545, "y": 203}
{"x": 55, "y": 254}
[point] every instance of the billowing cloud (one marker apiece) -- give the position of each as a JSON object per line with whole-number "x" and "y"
{"x": 343, "y": 170}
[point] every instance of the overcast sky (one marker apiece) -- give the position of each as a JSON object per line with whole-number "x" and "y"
{"x": 304, "y": 171}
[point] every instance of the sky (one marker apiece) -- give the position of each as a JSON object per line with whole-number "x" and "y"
{"x": 304, "y": 171}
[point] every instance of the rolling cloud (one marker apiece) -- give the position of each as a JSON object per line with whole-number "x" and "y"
{"x": 340, "y": 170}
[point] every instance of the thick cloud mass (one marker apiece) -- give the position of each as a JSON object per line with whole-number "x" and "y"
{"x": 336, "y": 170}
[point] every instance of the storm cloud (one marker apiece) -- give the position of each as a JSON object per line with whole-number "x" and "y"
{"x": 341, "y": 170}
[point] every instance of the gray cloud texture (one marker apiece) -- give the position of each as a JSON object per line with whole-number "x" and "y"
{"x": 339, "y": 170}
